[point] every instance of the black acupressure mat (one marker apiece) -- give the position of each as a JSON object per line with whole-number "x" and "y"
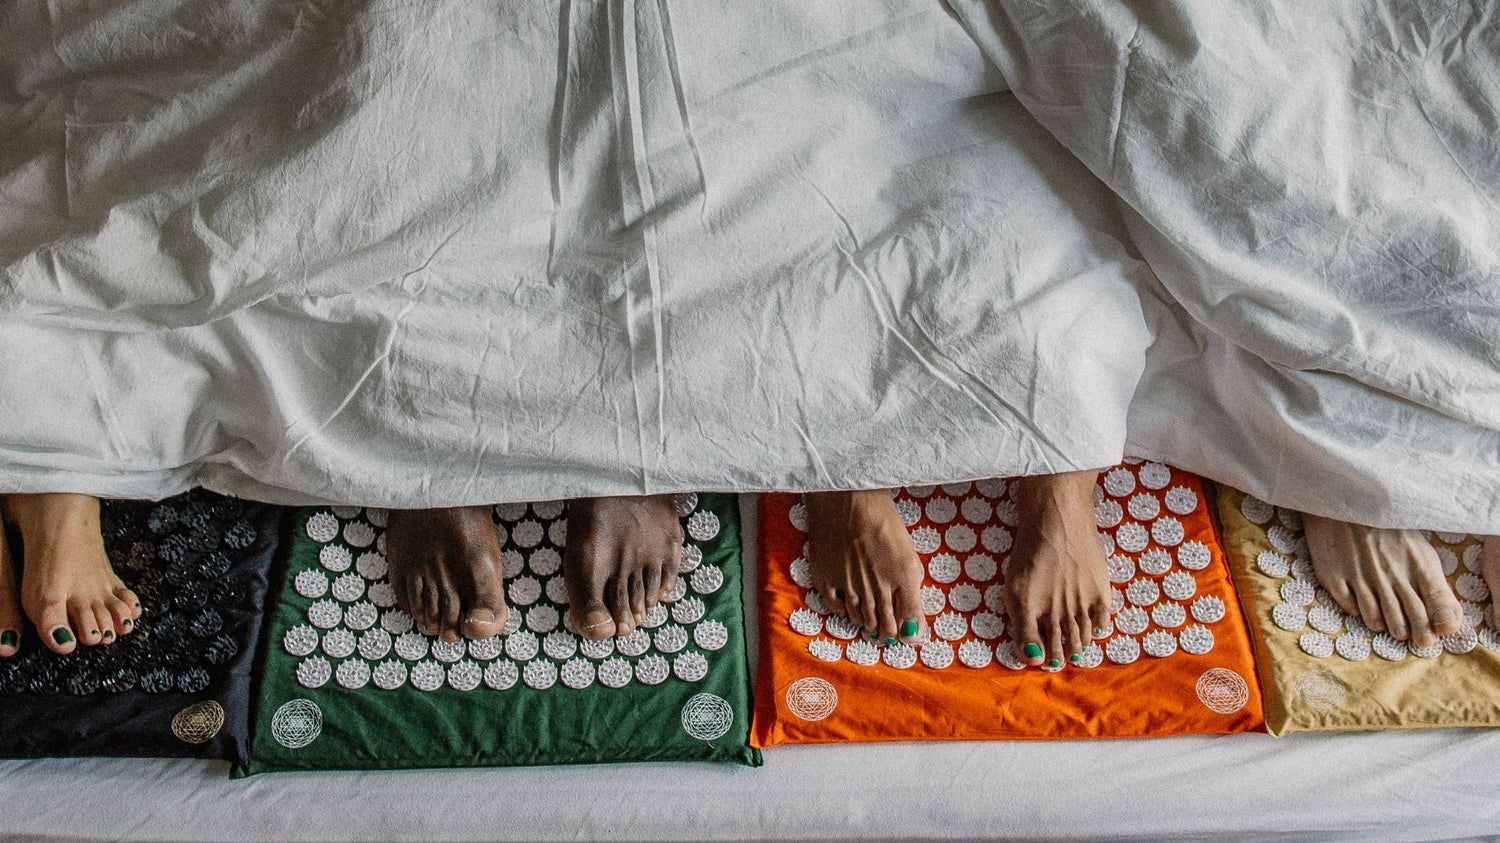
{"x": 179, "y": 685}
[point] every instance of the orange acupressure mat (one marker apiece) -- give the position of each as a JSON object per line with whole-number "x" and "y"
{"x": 1176, "y": 659}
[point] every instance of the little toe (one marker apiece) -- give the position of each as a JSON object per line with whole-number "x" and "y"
{"x": 131, "y": 602}
{"x": 1098, "y": 618}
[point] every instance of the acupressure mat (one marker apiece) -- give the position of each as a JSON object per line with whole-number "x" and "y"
{"x": 1323, "y": 670}
{"x": 346, "y": 682}
{"x": 1176, "y": 660}
{"x": 179, "y": 685}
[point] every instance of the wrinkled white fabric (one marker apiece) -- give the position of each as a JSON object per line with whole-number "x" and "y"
{"x": 418, "y": 254}
{"x": 1317, "y": 186}
{"x": 430, "y": 254}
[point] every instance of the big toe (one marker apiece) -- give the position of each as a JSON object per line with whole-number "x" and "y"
{"x": 483, "y": 623}
{"x": 56, "y": 632}
{"x": 592, "y": 620}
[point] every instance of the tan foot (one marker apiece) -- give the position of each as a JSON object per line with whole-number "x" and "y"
{"x": 68, "y": 589}
{"x": 445, "y": 567}
{"x": 1056, "y": 579}
{"x": 622, "y": 557}
{"x": 864, "y": 565}
{"x": 1489, "y": 567}
{"x": 1390, "y": 579}
{"x": 10, "y": 599}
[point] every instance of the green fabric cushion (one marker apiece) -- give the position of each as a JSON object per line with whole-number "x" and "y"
{"x": 327, "y": 709}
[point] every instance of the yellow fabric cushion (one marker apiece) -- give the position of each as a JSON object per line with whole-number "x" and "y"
{"x": 1321, "y": 670}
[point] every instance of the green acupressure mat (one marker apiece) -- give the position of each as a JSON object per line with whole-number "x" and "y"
{"x": 346, "y": 682}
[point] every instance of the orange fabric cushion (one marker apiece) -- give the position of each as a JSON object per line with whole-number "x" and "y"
{"x": 821, "y": 683}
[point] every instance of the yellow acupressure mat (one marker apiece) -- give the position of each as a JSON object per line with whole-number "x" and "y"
{"x": 1322, "y": 670}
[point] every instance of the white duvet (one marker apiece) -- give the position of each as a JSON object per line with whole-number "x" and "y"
{"x": 415, "y": 254}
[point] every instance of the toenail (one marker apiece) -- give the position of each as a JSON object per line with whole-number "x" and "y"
{"x": 108, "y": 634}
{"x": 127, "y": 621}
{"x": 908, "y": 628}
{"x": 8, "y": 638}
{"x": 1074, "y": 658}
{"x": 1054, "y": 663}
{"x": 480, "y": 616}
{"x": 1443, "y": 616}
{"x": 1032, "y": 650}
{"x": 1098, "y": 632}
{"x": 62, "y": 636}
{"x": 889, "y": 641}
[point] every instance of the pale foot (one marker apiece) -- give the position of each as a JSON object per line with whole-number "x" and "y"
{"x": 621, "y": 558}
{"x": 10, "y": 599}
{"x": 1489, "y": 567}
{"x": 445, "y": 568}
{"x": 864, "y": 565}
{"x": 1390, "y": 579}
{"x": 1056, "y": 579}
{"x": 68, "y": 589}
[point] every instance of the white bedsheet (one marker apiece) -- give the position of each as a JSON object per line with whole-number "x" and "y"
{"x": 430, "y": 254}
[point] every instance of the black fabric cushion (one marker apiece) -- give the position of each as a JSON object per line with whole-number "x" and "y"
{"x": 179, "y": 685}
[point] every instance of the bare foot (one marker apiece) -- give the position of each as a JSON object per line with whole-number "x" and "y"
{"x": 1056, "y": 579}
{"x": 68, "y": 589}
{"x": 1489, "y": 566}
{"x": 621, "y": 558}
{"x": 1391, "y": 579}
{"x": 864, "y": 565}
{"x": 445, "y": 568}
{"x": 10, "y": 599}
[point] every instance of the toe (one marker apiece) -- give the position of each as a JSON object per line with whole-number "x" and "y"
{"x": 637, "y": 593}
{"x": 450, "y": 608}
{"x": 57, "y": 633}
{"x": 1056, "y": 644}
{"x": 1098, "y": 618}
{"x": 618, "y": 595}
{"x": 1026, "y": 634}
{"x": 121, "y": 617}
{"x": 131, "y": 602}
{"x": 1369, "y": 611}
{"x": 1489, "y": 567}
{"x": 651, "y": 578}
{"x": 911, "y": 622}
{"x": 85, "y": 625}
{"x": 1077, "y": 636}
{"x": 1395, "y": 619}
{"x": 1341, "y": 595}
{"x": 104, "y": 621}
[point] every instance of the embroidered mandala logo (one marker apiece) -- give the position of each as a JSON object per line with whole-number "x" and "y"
{"x": 199, "y": 722}
{"x": 1320, "y": 689}
{"x": 707, "y": 716}
{"x": 297, "y": 723}
{"x": 812, "y": 698}
{"x": 1222, "y": 690}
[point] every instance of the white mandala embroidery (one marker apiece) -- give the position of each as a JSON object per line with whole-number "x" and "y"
{"x": 707, "y": 717}
{"x": 297, "y": 723}
{"x": 811, "y": 698}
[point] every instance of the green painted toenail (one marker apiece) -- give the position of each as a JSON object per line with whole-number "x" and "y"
{"x": 127, "y": 621}
{"x": 62, "y": 636}
{"x": 889, "y": 641}
{"x": 908, "y": 628}
{"x": 1032, "y": 651}
{"x": 1073, "y": 658}
{"x": 1098, "y": 631}
{"x": 108, "y": 634}
{"x": 1054, "y": 663}
{"x": 8, "y": 638}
